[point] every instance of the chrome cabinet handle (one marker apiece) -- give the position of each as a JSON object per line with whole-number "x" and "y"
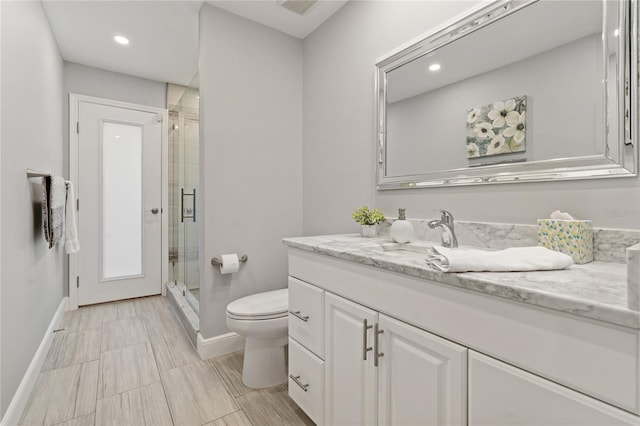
{"x": 300, "y": 317}
{"x": 299, "y": 383}
{"x": 365, "y": 348}
{"x": 376, "y": 344}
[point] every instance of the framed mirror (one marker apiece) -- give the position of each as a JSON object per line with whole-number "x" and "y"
{"x": 515, "y": 91}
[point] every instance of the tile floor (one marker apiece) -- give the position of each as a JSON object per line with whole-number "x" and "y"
{"x": 130, "y": 363}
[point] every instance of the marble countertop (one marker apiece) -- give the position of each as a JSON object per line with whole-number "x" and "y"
{"x": 596, "y": 290}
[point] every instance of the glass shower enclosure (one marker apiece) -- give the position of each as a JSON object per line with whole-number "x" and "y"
{"x": 184, "y": 135}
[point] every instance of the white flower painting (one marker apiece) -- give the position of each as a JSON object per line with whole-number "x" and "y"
{"x": 498, "y": 128}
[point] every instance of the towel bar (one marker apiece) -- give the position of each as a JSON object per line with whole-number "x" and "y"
{"x": 215, "y": 261}
{"x": 34, "y": 173}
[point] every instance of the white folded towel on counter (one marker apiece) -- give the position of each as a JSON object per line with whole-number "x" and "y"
{"x": 507, "y": 260}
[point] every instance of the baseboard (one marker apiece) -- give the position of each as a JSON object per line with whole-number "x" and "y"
{"x": 19, "y": 402}
{"x": 219, "y": 345}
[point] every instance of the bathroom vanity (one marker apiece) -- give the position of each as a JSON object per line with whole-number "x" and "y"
{"x": 376, "y": 337}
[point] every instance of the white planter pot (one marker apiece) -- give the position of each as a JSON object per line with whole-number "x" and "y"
{"x": 369, "y": 231}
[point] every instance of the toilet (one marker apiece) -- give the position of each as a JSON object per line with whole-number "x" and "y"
{"x": 262, "y": 319}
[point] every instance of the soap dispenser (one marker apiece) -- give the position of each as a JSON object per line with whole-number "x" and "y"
{"x": 401, "y": 229}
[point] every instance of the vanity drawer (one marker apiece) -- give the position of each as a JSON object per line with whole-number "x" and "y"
{"x": 306, "y": 381}
{"x": 306, "y": 315}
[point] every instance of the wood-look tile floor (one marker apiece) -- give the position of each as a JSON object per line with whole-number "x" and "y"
{"x": 130, "y": 363}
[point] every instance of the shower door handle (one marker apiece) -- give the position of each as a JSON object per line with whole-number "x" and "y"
{"x": 192, "y": 215}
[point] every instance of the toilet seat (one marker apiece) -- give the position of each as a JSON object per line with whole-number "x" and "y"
{"x": 256, "y": 317}
{"x": 260, "y": 306}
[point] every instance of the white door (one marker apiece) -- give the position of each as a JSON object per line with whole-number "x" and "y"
{"x": 120, "y": 191}
{"x": 351, "y": 385}
{"x": 422, "y": 377}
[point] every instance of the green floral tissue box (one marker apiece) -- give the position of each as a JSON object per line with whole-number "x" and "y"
{"x": 572, "y": 237}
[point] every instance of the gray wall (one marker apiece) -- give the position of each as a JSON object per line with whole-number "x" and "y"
{"x": 84, "y": 80}
{"x": 32, "y": 275}
{"x": 339, "y": 123}
{"x": 250, "y": 157}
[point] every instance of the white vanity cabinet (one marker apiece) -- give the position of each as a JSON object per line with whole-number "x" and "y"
{"x": 448, "y": 356}
{"x": 378, "y": 370}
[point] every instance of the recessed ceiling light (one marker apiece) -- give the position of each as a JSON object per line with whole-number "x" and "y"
{"x": 121, "y": 39}
{"x": 434, "y": 67}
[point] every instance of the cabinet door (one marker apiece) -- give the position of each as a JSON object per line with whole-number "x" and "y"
{"x": 350, "y": 381}
{"x": 500, "y": 394}
{"x": 423, "y": 378}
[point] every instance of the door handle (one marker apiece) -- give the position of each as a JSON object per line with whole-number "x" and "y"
{"x": 365, "y": 347}
{"x": 155, "y": 210}
{"x": 192, "y": 213}
{"x": 376, "y": 344}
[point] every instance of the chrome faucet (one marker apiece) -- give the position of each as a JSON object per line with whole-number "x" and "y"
{"x": 446, "y": 223}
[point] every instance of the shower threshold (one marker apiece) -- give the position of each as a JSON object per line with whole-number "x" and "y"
{"x": 192, "y": 296}
{"x": 185, "y": 311}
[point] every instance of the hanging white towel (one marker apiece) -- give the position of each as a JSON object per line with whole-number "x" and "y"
{"x": 57, "y": 199}
{"x": 53, "y": 200}
{"x": 511, "y": 259}
{"x": 71, "y": 241}
{"x": 46, "y": 226}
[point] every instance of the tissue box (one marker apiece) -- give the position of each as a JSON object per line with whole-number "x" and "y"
{"x": 572, "y": 237}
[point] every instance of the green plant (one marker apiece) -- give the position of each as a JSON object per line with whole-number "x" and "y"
{"x": 364, "y": 216}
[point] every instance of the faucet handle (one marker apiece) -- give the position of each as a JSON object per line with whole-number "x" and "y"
{"x": 446, "y": 217}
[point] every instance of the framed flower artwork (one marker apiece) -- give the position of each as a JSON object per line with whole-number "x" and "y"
{"x": 498, "y": 128}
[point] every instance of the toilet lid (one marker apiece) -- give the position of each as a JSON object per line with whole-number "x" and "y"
{"x": 268, "y": 304}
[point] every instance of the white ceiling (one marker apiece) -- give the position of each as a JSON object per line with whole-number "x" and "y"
{"x": 163, "y": 34}
{"x": 271, "y": 14}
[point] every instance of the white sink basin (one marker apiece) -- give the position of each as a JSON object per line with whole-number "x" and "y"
{"x": 414, "y": 247}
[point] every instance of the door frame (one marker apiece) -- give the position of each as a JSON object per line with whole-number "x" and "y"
{"x": 74, "y": 110}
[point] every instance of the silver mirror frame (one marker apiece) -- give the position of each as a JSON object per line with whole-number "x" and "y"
{"x": 574, "y": 168}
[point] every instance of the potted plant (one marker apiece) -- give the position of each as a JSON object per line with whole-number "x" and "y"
{"x": 369, "y": 220}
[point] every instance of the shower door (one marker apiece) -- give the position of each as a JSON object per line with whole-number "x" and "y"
{"x": 184, "y": 178}
{"x": 189, "y": 229}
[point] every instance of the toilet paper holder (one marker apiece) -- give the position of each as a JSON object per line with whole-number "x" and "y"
{"x": 217, "y": 262}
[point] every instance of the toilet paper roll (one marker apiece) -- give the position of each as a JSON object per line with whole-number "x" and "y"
{"x": 230, "y": 263}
